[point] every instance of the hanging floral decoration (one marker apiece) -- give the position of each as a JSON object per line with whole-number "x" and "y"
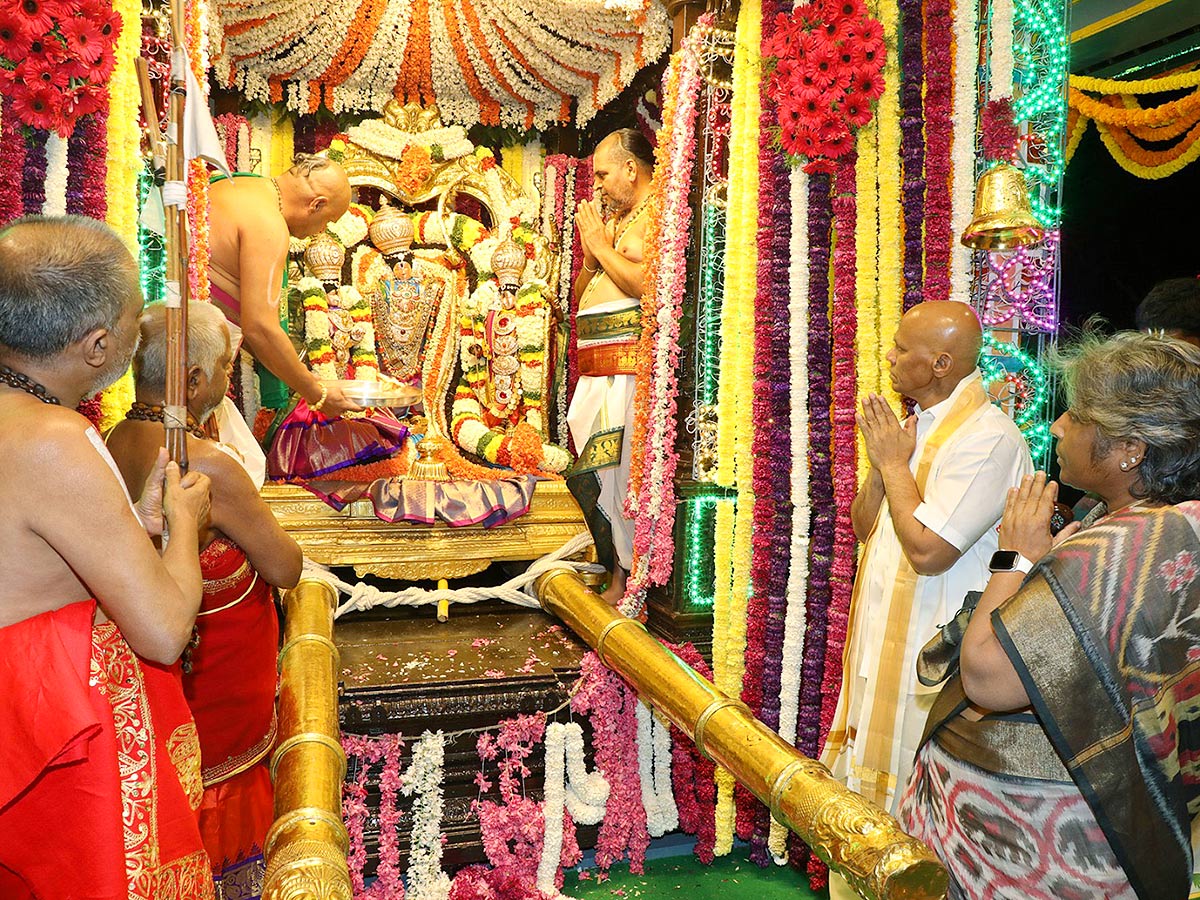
{"x": 827, "y": 73}
{"x": 56, "y": 59}
{"x": 487, "y": 61}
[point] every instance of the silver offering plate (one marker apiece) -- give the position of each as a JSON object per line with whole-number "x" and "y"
{"x": 379, "y": 393}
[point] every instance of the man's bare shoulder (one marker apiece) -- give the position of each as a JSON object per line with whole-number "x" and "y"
{"x": 40, "y": 437}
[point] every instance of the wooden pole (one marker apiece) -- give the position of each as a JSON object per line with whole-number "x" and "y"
{"x": 175, "y": 205}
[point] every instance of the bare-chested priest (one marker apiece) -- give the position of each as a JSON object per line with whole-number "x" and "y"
{"x": 612, "y": 226}
{"x": 252, "y": 219}
{"x": 95, "y": 729}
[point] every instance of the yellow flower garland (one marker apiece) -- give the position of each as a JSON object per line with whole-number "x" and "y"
{"x": 124, "y": 139}
{"x": 1144, "y": 86}
{"x": 1076, "y": 128}
{"x": 891, "y": 216}
{"x": 124, "y": 166}
{"x": 1139, "y": 170}
{"x": 736, "y": 389}
{"x": 866, "y": 239}
{"x": 283, "y": 147}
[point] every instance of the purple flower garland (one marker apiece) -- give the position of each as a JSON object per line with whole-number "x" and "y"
{"x": 820, "y": 359}
{"x": 33, "y": 176}
{"x": 912, "y": 149}
{"x": 87, "y": 166}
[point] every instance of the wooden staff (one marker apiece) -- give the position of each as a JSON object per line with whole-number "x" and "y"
{"x": 174, "y": 194}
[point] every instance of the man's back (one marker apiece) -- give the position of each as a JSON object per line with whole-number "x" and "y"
{"x": 237, "y": 207}
{"x": 64, "y": 509}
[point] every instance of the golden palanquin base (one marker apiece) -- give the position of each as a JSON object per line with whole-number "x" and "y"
{"x": 415, "y": 552}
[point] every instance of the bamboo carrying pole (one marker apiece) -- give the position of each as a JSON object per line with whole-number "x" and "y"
{"x": 175, "y": 205}
{"x": 305, "y": 850}
{"x": 860, "y": 841}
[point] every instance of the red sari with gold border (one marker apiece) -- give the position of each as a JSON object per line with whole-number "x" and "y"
{"x": 231, "y": 690}
{"x": 99, "y": 767}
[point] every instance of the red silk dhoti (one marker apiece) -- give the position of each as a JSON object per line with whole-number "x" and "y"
{"x": 231, "y": 690}
{"x": 99, "y": 767}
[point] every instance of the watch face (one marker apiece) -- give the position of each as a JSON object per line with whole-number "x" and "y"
{"x": 1004, "y": 561}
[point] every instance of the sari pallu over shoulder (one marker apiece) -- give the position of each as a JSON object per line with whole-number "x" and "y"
{"x": 1105, "y": 636}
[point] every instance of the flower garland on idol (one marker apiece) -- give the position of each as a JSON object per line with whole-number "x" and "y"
{"x": 651, "y": 497}
{"x": 735, "y": 424}
{"x": 56, "y": 59}
{"x": 828, "y": 59}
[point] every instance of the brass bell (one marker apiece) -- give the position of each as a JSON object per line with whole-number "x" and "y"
{"x": 1003, "y": 219}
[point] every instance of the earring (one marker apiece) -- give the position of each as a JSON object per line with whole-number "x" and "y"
{"x": 1124, "y": 466}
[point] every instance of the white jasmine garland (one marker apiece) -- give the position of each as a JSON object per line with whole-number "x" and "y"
{"x": 962, "y": 185}
{"x": 654, "y": 766}
{"x": 552, "y": 810}
{"x": 423, "y": 780}
{"x": 587, "y": 792}
{"x": 350, "y": 229}
{"x": 56, "y": 175}
{"x": 381, "y": 138}
{"x": 1000, "y": 83}
{"x": 370, "y": 85}
{"x": 795, "y": 621}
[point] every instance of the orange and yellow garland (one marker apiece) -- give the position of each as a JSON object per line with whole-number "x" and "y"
{"x": 1124, "y": 124}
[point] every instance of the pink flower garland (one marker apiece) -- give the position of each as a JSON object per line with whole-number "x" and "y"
{"x": 368, "y": 751}
{"x": 651, "y": 497}
{"x": 611, "y": 705}
{"x": 845, "y": 465}
{"x": 512, "y": 828}
{"x": 939, "y": 101}
{"x": 692, "y": 775}
{"x": 12, "y": 161}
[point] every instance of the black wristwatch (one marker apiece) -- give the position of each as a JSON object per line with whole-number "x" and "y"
{"x": 1009, "y": 561}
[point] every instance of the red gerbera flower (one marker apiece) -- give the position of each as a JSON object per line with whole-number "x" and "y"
{"x": 836, "y": 139}
{"x": 847, "y": 10}
{"x": 856, "y": 108}
{"x": 14, "y": 35}
{"x": 47, "y": 50}
{"x": 824, "y": 68}
{"x": 84, "y": 100}
{"x": 869, "y": 30}
{"x": 35, "y": 15}
{"x": 835, "y": 30}
{"x": 820, "y": 165}
{"x": 867, "y": 53}
{"x": 800, "y": 141}
{"x": 869, "y": 83}
{"x": 83, "y": 37}
{"x": 39, "y": 107}
{"x": 35, "y": 72}
{"x": 102, "y": 68}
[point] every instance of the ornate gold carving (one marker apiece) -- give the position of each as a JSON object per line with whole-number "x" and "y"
{"x": 307, "y": 870}
{"x": 411, "y": 117}
{"x": 354, "y": 537}
{"x": 324, "y": 255}
{"x": 391, "y": 230}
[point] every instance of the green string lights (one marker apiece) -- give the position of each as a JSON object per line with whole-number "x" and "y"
{"x": 1019, "y": 383}
{"x": 152, "y": 257}
{"x": 1042, "y": 49}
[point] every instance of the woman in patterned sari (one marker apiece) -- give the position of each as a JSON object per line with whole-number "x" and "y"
{"x": 1062, "y": 761}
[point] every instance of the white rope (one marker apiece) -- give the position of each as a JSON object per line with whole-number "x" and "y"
{"x": 518, "y": 590}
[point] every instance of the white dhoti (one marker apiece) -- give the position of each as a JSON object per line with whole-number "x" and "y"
{"x": 602, "y": 404}
{"x": 601, "y": 413}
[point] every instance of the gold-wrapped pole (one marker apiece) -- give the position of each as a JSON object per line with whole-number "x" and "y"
{"x": 306, "y": 848}
{"x": 852, "y": 836}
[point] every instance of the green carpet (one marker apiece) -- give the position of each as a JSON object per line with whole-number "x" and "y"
{"x": 683, "y": 877}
